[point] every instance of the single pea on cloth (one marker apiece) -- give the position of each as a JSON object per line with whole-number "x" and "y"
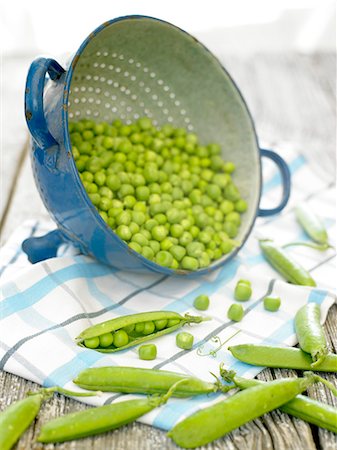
{"x": 45, "y": 306}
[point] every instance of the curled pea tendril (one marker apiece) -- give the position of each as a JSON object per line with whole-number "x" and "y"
{"x": 217, "y": 341}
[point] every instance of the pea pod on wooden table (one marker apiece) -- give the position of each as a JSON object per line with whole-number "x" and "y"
{"x": 101, "y": 419}
{"x": 281, "y": 357}
{"x": 126, "y": 331}
{"x": 310, "y": 333}
{"x": 303, "y": 407}
{"x": 285, "y": 264}
{"x": 17, "y": 417}
{"x": 219, "y": 419}
{"x": 144, "y": 381}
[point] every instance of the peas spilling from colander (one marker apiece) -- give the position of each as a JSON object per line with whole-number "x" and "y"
{"x": 168, "y": 197}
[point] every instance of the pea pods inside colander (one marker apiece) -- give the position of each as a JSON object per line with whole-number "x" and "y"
{"x": 132, "y": 67}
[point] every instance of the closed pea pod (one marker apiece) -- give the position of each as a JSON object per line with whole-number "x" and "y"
{"x": 303, "y": 407}
{"x": 219, "y": 419}
{"x": 17, "y": 417}
{"x": 142, "y": 328}
{"x": 310, "y": 333}
{"x": 280, "y": 357}
{"x": 311, "y": 224}
{"x": 133, "y": 380}
{"x": 101, "y": 419}
{"x": 285, "y": 265}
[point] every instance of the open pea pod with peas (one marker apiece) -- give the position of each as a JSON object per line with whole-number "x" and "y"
{"x": 127, "y": 331}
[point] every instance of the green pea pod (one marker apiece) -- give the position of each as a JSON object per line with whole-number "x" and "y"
{"x": 303, "y": 407}
{"x": 311, "y": 224}
{"x": 18, "y": 416}
{"x": 310, "y": 333}
{"x": 125, "y": 323}
{"x": 285, "y": 264}
{"x": 219, "y": 419}
{"x": 101, "y": 419}
{"x": 280, "y": 357}
{"x": 143, "y": 381}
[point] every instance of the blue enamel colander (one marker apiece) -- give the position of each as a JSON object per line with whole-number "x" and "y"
{"x": 131, "y": 67}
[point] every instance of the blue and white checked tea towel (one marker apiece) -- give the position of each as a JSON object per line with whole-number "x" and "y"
{"x": 45, "y": 306}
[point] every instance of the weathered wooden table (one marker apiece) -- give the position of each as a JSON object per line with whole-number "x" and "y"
{"x": 292, "y": 98}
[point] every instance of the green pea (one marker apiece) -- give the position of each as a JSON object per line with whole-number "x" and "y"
{"x": 232, "y": 193}
{"x": 214, "y": 191}
{"x": 226, "y": 206}
{"x": 235, "y": 312}
{"x": 129, "y": 201}
{"x": 159, "y": 232}
{"x": 195, "y": 249}
{"x": 95, "y": 199}
{"x": 164, "y": 258}
{"x": 105, "y": 192}
{"x": 155, "y": 246}
{"x": 124, "y": 233}
{"x": 129, "y": 328}
{"x": 178, "y": 252}
{"x": 92, "y": 342}
{"x": 113, "y": 182}
{"x": 201, "y": 302}
{"x": 136, "y": 247}
{"x": 184, "y": 340}
{"x": 105, "y": 340}
{"x": 189, "y": 263}
{"x": 185, "y": 238}
{"x": 229, "y": 167}
{"x": 242, "y": 292}
{"x": 149, "y": 327}
{"x": 87, "y": 176}
{"x": 100, "y": 178}
{"x": 121, "y": 338}
{"x": 139, "y": 239}
{"x": 138, "y": 217}
{"x": 231, "y": 229}
{"x": 160, "y": 324}
{"x": 166, "y": 244}
{"x": 134, "y": 227}
{"x": 271, "y": 303}
{"x": 139, "y": 327}
{"x": 241, "y": 206}
{"x": 124, "y": 218}
{"x": 176, "y": 230}
{"x": 226, "y": 246}
{"x": 172, "y": 322}
{"x": 142, "y": 192}
{"x": 147, "y": 252}
{"x": 233, "y": 217}
{"x": 147, "y": 352}
{"x": 91, "y": 188}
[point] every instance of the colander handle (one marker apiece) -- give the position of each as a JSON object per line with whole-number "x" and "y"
{"x": 43, "y": 247}
{"x": 286, "y": 182}
{"x": 34, "y": 113}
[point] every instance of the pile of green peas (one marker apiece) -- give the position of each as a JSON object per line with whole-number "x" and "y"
{"x": 168, "y": 197}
